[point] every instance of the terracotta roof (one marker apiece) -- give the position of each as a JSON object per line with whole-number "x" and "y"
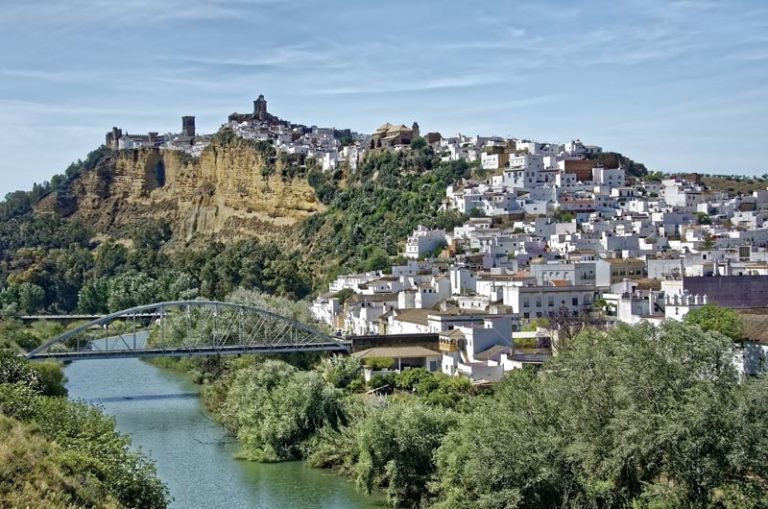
{"x": 396, "y": 351}
{"x": 417, "y": 316}
{"x": 453, "y": 334}
{"x": 648, "y": 284}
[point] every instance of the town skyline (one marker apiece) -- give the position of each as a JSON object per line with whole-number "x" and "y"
{"x": 669, "y": 84}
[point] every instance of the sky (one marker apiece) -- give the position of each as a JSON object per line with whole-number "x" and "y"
{"x": 680, "y": 85}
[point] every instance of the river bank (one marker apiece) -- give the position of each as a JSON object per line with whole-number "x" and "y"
{"x": 161, "y": 411}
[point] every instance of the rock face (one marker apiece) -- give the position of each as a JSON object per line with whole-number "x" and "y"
{"x": 232, "y": 190}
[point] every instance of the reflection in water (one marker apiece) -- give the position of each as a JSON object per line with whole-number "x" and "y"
{"x": 161, "y": 412}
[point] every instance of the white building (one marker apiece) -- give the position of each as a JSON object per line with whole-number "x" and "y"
{"x": 423, "y": 241}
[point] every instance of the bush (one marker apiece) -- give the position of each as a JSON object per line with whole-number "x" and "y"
{"x": 396, "y": 450}
{"x": 385, "y": 382}
{"x": 409, "y": 379}
{"x": 340, "y": 371}
{"x": 91, "y": 449}
{"x": 378, "y": 363}
{"x": 275, "y": 409}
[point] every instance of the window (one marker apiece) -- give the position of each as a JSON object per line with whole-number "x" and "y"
{"x": 575, "y": 301}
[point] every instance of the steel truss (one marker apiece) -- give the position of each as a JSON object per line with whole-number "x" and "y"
{"x": 183, "y": 328}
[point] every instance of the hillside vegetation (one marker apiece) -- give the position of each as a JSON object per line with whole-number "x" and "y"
{"x": 382, "y": 202}
{"x": 53, "y": 262}
{"x": 55, "y": 453}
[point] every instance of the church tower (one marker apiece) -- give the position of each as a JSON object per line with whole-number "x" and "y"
{"x": 260, "y": 108}
{"x": 415, "y": 129}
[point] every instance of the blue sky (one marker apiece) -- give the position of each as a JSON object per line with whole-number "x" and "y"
{"x": 676, "y": 84}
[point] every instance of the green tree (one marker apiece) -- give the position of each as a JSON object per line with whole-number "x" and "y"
{"x": 418, "y": 143}
{"x": 377, "y": 260}
{"x": 131, "y": 289}
{"x": 93, "y": 296}
{"x": 275, "y": 409}
{"x": 340, "y": 370}
{"x": 396, "y": 450}
{"x": 708, "y": 242}
{"x": 344, "y": 295}
{"x": 703, "y": 218}
{"x": 110, "y": 259}
{"x": 636, "y": 417}
{"x": 29, "y": 296}
{"x": 711, "y": 317}
{"x": 476, "y": 212}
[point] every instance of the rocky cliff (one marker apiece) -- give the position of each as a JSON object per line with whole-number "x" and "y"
{"x": 235, "y": 188}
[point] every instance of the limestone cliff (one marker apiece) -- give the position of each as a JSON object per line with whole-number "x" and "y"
{"x": 234, "y": 189}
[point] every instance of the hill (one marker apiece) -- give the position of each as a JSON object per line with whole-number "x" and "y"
{"x": 123, "y": 227}
{"x": 218, "y": 193}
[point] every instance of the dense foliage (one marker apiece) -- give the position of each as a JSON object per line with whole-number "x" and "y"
{"x": 279, "y": 412}
{"x": 274, "y": 408}
{"x": 50, "y": 266}
{"x": 56, "y": 453}
{"x": 719, "y": 319}
{"x": 636, "y": 417}
{"x": 383, "y": 201}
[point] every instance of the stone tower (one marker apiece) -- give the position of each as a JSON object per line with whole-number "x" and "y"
{"x": 415, "y": 129}
{"x": 188, "y": 126}
{"x": 260, "y": 108}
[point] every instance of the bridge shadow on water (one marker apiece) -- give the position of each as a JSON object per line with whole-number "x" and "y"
{"x": 142, "y": 397}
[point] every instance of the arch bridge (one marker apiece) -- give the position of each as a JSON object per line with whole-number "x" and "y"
{"x": 184, "y": 328}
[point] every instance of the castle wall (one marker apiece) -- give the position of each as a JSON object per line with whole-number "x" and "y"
{"x": 736, "y": 292}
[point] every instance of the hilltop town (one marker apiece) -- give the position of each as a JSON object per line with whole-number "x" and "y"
{"x": 555, "y": 236}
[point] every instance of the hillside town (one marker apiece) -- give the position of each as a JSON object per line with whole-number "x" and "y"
{"x": 499, "y": 290}
{"x": 554, "y": 238}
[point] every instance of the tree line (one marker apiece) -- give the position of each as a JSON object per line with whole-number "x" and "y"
{"x": 50, "y": 266}
{"x": 634, "y": 417}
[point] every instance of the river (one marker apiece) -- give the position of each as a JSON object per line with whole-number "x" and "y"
{"x": 162, "y": 413}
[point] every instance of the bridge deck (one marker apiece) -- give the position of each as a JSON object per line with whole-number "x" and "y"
{"x": 186, "y": 352}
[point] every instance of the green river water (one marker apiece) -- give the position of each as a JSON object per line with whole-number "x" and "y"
{"x": 160, "y": 410}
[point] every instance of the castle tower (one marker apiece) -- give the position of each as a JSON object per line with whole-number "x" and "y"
{"x": 188, "y": 126}
{"x": 113, "y": 137}
{"x": 260, "y": 108}
{"x": 415, "y": 129}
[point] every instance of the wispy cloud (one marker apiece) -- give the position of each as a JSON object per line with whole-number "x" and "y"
{"x": 512, "y": 104}
{"x": 282, "y": 57}
{"x": 411, "y": 85}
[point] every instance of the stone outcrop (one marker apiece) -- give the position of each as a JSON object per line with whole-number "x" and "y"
{"x": 233, "y": 189}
